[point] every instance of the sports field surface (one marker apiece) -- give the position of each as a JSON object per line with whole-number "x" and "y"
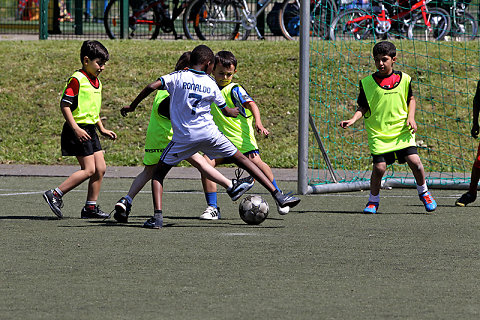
{"x": 324, "y": 260}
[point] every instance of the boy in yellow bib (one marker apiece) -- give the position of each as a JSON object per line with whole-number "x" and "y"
{"x": 239, "y": 130}
{"x": 80, "y": 105}
{"x": 388, "y": 106}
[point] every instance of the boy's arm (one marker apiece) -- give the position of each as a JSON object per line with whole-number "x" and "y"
{"x": 361, "y": 109}
{"x": 142, "y": 95}
{"x": 81, "y": 134}
{"x": 475, "y": 112}
{"x": 252, "y": 106}
{"x": 412, "y": 106}
{"x": 104, "y": 132}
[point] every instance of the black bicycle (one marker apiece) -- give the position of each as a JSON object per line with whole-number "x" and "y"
{"x": 145, "y": 18}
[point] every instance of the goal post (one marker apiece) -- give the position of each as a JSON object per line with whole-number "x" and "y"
{"x": 444, "y": 80}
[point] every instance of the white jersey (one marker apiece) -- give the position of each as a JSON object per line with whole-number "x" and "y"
{"x": 191, "y": 93}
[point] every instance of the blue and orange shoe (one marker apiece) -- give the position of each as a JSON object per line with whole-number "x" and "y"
{"x": 371, "y": 207}
{"x": 428, "y": 201}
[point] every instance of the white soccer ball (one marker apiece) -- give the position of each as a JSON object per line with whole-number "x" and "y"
{"x": 253, "y": 209}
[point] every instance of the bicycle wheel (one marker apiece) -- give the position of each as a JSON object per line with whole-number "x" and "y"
{"x": 464, "y": 27}
{"x": 144, "y": 24}
{"x": 213, "y": 20}
{"x": 350, "y": 25}
{"x": 322, "y": 14}
{"x": 440, "y": 25}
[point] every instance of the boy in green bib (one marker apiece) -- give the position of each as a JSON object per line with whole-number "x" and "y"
{"x": 387, "y": 104}
{"x": 239, "y": 130}
{"x": 80, "y": 105}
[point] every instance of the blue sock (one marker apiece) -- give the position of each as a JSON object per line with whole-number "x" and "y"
{"x": 275, "y": 185}
{"x": 211, "y": 198}
{"x": 129, "y": 199}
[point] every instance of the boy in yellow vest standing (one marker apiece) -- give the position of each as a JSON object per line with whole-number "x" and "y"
{"x": 239, "y": 130}
{"x": 80, "y": 105}
{"x": 388, "y": 106}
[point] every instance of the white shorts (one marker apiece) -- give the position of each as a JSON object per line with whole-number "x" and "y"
{"x": 214, "y": 148}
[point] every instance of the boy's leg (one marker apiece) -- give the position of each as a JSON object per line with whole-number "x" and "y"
{"x": 124, "y": 205}
{"x": 471, "y": 195}
{"x": 378, "y": 171}
{"x": 54, "y": 197}
{"x": 91, "y": 209}
{"x": 418, "y": 171}
{"x": 161, "y": 170}
{"x": 282, "y": 200}
{"x": 255, "y": 158}
{"x": 212, "y": 212}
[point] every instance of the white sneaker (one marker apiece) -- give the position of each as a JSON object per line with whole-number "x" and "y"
{"x": 210, "y": 213}
{"x": 283, "y": 211}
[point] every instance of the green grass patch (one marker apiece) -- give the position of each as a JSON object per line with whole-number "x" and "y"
{"x": 35, "y": 73}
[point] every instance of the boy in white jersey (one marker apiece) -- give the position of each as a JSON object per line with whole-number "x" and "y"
{"x": 192, "y": 92}
{"x": 387, "y": 102}
{"x": 239, "y": 130}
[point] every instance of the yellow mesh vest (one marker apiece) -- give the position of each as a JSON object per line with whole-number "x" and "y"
{"x": 159, "y": 132}
{"x": 89, "y": 100}
{"x": 238, "y": 130}
{"x": 386, "y": 122}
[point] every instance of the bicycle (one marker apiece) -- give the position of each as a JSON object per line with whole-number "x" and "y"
{"x": 417, "y": 22}
{"x": 145, "y": 18}
{"x": 322, "y": 13}
{"x": 464, "y": 25}
{"x": 233, "y": 20}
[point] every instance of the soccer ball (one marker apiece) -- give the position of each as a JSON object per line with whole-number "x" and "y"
{"x": 253, "y": 209}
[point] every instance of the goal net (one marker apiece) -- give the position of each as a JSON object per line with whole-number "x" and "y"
{"x": 444, "y": 79}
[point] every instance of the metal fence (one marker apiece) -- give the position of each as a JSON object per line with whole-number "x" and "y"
{"x": 82, "y": 19}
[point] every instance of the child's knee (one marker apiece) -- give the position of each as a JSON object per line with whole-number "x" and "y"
{"x": 380, "y": 167}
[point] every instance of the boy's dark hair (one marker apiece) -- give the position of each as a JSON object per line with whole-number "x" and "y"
{"x": 226, "y": 59}
{"x": 184, "y": 61}
{"x": 93, "y": 50}
{"x": 385, "y": 48}
{"x": 201, "y": 55}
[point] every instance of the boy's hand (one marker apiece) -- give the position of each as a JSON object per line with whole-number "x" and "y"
{"x": 109, "y": 134}
{"x": 346, "y": 123}
{"x": 261, "y": 130}
{"x": 81, "y": 134}
{"x": 474, "y": 131}
{"x": 413, "y": 125}
{"x": 231, "y": 112}
{"x": 126, "y": 110}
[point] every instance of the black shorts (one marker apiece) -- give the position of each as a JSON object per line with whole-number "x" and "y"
{"x": 399, "y": 155}
{"x": 71, "y": 146}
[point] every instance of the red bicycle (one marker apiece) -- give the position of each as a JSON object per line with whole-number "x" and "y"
{"x": 413, "y": 22}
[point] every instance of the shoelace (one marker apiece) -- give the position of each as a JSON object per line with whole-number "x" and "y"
{"x": 238, "y": 173}
{"x": 427, "y": 198}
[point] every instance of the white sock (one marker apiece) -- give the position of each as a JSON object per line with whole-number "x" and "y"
{"x": 372, "y": 198}
{"x": 91, "y": 203}
{"x": 422, "y": 189}
{"x": 59, "y": 192}
{"x": 230, "y": 186}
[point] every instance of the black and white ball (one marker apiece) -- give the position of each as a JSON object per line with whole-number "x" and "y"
{"x": 253, "y": 209}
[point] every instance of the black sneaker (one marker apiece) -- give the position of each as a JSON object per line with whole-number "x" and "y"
{"x": 465, "y": 199}
{"x": 94, "y": 213}
{"x": 240, "y": 185}
{"x": 122, "y": 210}
{"x": 55, "y": 202}
{"x": 286, "y": 200}
{"x": 154, "y": 222}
